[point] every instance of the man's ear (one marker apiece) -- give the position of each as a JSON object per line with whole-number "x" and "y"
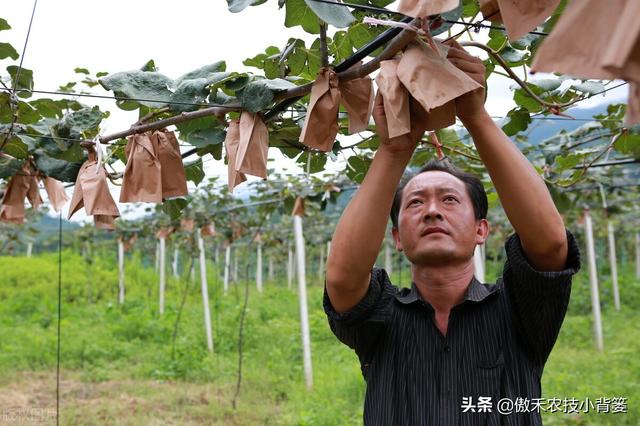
{"x": 396, "y": 238}
{"x": 482, "y": 231}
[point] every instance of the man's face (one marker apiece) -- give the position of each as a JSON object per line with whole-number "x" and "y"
{"x": 436, "y": 222}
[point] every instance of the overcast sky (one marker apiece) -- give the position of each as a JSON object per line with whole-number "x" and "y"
{"x": 119, "y": 35}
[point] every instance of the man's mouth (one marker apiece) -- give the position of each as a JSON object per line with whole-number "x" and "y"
{"x": 434, "y": 230}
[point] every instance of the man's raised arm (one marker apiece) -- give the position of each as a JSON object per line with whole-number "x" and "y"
{"x": 361, "y": 228}
{"x": 522, "y": 192}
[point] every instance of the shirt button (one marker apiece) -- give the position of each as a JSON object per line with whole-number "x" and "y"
{"x": 447, "y": 349}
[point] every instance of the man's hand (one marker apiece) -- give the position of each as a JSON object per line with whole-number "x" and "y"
{"x": 470, "y": 104}
{"x": 402, "y": 144}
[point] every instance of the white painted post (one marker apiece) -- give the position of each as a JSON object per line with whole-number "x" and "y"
{"x": 593, "y": 279}
{"x": 227, "y": 267}
{"x": 29, "y": 249}
{"x": 302, "y": 297}
{"x": 205, "y": 292}
{"x": 162, "y": 246}
{"x": 478, "y": 264}
{"x": 613, "y": 261}
{"x": 388, "y": 264}
{"x": 259, "y": 267}
{"x": 216, "y": 254}
{"x": 289, "y": 267}
{"x": 157, "y": 267}
{"x": 638, "y": 255}
{"x": 174, "y": 264}
{"x": 120, "y": 271}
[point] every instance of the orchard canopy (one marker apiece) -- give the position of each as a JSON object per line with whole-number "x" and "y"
{"x": 240, "y": 119}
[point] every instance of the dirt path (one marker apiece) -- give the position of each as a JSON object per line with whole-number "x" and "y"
{"x": 29, "y": 398}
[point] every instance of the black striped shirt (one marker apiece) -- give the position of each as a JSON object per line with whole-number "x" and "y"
{"x": 498, "y": 340}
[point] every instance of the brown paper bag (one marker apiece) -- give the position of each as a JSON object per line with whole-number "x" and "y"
{"x": 431, "y": 79}
{"x": 298, "y": 207}
{"x": 424, "y": 8}
{"x": 581, "y": 37}
{"x": 623, "y": 57}
{"x": 164, "y": 232}
{"x": 357, "y": 97}
{"x": 395, "y": 98}
{"x": 129, "y": 242}
{"x": 633, "y": 107}
{"x": 490, "y": 10}
{"x": 208, "y": 230}
{"x": 321, "y": 124}
{"x": 12, "y": 209}
{"x": 187, "y": 224}
{"x": 92, "y": 192}
{"x": 33, "y": 194}
{"x": 253, "y": 148}
{"x": 142, "y": 175}
{"x": 173, "y": 177}
{"x": 55, "y": 191}
{"x": 519, "y": 16}
{"x": 231, "y": 143}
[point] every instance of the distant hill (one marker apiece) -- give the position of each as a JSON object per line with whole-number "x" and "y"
{"x": 48, "y": 227}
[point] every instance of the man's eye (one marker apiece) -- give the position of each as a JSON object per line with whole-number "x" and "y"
{"x": 449, "y": 198}
{"x": 412, "y": 202}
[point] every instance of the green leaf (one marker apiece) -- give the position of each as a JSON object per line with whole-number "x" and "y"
{"x": 236, "y": 6}
{"x": 24, "y": 80}
{"x": 567, "y": 162}
{"x": 590, "y": 87}
{"x": 48, "y": 108}
{"x": 194, "y": 171}
{"x": 338, "y": 16}
{"x": 522, "y": 99}
{"x": 61, "y": 170}
{"x": 316, "y": 164}
{"x": 174, "y": 207}
{"x": 259, "y": 94}
{"x": 517, "y": 121}
{"x": 204, "y": 137}
{"x": 9, "y": 167}
{"x": 298, "y": 13}
{"x": 470, "y": 8}
{"x": 150, "y": 65}
{"x": 7, "y": 51}
{"x": 357, "y": 168}
{"x": 497, "y": 39}
{"x": 204, "y": 72}
{"x": 195, "y": 91}
{"x": 15, "y": 147}
{"x": 447, "y": 19}
{"x": 629, "y": 144}
{"x": 514, "y": 57}
{"x": 27, "y": 114}
{"x": 81, "y": 71}
{"x": 149, "y": 88}
{"x": 4, "y": 25}
{"x": 547, "y": 84}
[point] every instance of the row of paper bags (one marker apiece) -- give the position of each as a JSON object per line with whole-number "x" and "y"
{"x": 597, "y": 39}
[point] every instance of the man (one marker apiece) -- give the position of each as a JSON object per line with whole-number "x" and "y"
{"x": 446, "y": 351}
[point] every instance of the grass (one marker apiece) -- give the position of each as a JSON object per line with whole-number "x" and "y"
{"x": 119, "y": 365}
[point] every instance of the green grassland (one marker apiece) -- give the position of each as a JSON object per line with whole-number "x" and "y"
{"x": 120, "y": 364}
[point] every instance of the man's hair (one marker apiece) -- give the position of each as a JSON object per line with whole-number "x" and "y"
{"x": 473, "y": 184}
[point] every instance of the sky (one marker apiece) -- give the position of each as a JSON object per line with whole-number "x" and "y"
{"x": 119, "y": 35}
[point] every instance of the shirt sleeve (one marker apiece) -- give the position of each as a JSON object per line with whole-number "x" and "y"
{"x": 539, "y": 300}
{"x": 361, "y": 327}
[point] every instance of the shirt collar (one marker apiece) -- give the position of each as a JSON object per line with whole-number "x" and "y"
{"x": 476, "y": 292}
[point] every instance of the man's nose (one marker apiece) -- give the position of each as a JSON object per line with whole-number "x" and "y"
{"x": 432, "y": 210}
